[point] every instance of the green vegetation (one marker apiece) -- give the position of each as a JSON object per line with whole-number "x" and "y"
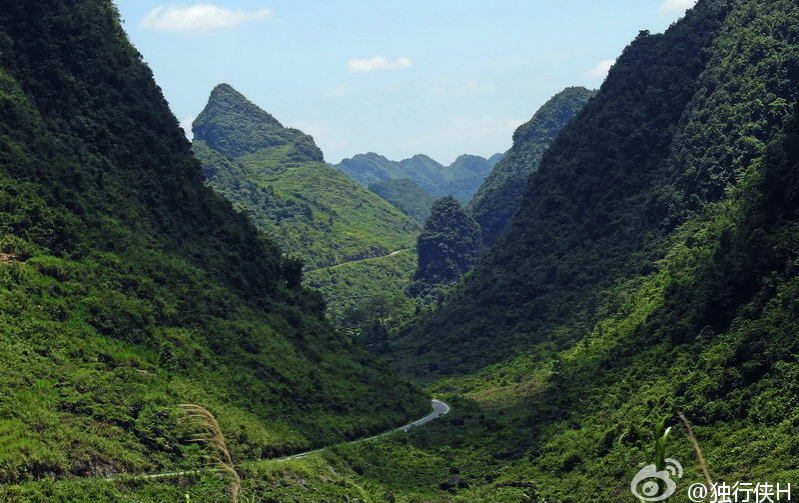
{"x": 375, "y": 320}
{"x": 127, "y": 286}
{"x": 500, "y": 196}
{"x": 601, "y": 209}
{"x": 448, "y": 247}
{"x": 277, "y": 176}
{"x": 407, "y": 196}
{"x": 461, "y": 179}
{"x": 347, "y": 286}
{"x": 652, "y": 271}
{"x": 344, "y": 233}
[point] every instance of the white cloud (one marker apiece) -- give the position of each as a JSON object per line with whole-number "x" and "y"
{"x": 198, "y": 17}
{"x": 378, "y": 63}
{"x": 669, "y": 5}
{"x": 438, "y": 91}
{"x": 339, "y": 90}
{"x": 600, "y": 71}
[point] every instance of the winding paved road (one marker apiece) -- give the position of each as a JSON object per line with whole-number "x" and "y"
{"x": 439, "y": 409}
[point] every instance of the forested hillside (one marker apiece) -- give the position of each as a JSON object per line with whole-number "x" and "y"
{"x": 277, "y": 176}
{"x": 407, "y": 196}
{"x": 448, "y": 247}
{"x": 501, "y": 194}
{"x": 128, "y": 286}
{"x": 650, "y": 271}
{"x": 461, "y": 179}
{"x": 659, "y": 142}
{"x": 356, "y": 286}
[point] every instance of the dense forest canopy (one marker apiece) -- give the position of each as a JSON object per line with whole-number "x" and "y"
{"x": 448, "y": 246}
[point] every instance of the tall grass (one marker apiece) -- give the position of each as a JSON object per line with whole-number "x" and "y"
{"x": 214, "y": 438}
{"x": 697, "y": 449}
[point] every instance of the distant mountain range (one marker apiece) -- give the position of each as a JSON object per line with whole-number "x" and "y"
{"x": 461, "y": 179}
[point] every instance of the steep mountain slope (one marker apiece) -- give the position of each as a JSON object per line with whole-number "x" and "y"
{"x": 448, "y": 246}
{"x": 407, "y": 196}
{"x": 461, "y": 179}
{"x": 500, "y": 196}
{"x": 618, "y": 179}
{"x": 278, "y": 177}
{"x": 128, "y": 286}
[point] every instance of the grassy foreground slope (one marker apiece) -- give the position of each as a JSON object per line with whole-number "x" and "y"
{"x": 278, "y": 177}
{"x": 127, "y": 286}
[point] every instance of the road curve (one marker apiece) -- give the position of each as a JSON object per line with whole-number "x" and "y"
{"x": 439, "y": 409}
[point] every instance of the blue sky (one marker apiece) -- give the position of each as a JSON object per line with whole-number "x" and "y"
{"x": 439, "y": 77}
